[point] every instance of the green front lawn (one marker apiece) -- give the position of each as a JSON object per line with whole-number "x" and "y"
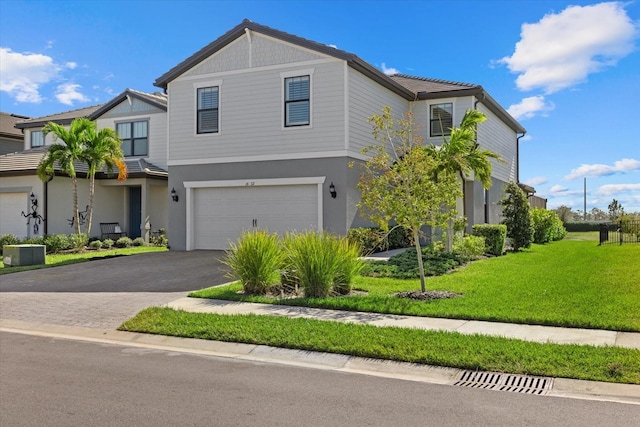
{"x": 55, "y": 260}
{"x": 573, "y": 283}
{"x": 408, "y": 345}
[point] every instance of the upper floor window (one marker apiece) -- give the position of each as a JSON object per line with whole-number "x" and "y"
{"x": 297, "y": 101}
{"x": 37, "y": 139}
{"x": 441, "y": 119}
{"x": 135, "y": 138}
{"x": 208, "y": 106}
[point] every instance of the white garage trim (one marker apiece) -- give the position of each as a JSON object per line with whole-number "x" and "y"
{"x": 190, "y": 186}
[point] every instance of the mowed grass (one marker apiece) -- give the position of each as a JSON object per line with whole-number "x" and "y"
{"x": 572, "y": 283}
{"x": 408, "y": 345}
{"x": 55, "y": 260}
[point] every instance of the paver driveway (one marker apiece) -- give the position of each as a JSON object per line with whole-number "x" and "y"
{"x": 105, "y": 293}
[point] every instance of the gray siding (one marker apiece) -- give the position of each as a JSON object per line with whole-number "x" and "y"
{"x": 367, "y": 98}
{"x": 260, "y": 52}
{"x": 135, "y": 107}
{"x": 336, "y": 170}
{"x": 497, "y": 136}
{"x": 251, "y": 115}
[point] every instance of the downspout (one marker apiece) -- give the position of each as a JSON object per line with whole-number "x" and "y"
{"x": 518, "y": 156}
{"x": 45, "y": 209}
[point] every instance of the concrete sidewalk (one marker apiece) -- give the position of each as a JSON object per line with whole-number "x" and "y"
{"x": 541, "y": 334}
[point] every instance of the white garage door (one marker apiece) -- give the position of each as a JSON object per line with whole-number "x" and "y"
{"x": 11, "y": 220}
{"x": 222, "y": 214}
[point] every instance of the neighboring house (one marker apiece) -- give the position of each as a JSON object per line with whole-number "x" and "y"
{"x": 262, "y": 125}
{"x": 11, "y": 139}
{"x": 534, "y": 201}
{"x": 140, "y": 120}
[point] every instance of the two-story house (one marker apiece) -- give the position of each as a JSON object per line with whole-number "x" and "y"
{"x": 140, "y": 120}
{"x": 262, "y": 127}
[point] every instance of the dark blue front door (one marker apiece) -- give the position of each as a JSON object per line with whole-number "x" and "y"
{"x": 135, "y": 211}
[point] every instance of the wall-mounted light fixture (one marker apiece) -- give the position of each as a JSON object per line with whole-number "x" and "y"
{"x": 332, "y": 190}
{"x": 174, "y": 195}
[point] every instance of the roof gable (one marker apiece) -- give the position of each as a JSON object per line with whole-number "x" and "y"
{"x": 132, "y": 102}
{"x": 240, "y": 30}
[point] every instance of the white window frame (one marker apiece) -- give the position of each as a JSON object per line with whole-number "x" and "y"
{"x": 445, "y": 132}
{"x": 131, "y": 122}
{"x": 296, "y": 73}
{"x": 36, "y": 132}
{"x": 200, "y": 85}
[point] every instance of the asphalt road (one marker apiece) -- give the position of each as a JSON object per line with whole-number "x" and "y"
{"x": 54, "y": 382}
{"x": 172, "y": 271}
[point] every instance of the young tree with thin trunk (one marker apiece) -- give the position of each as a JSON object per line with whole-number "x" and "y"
{"x": 397, "y": 181}
{"x": 461, "y": 155}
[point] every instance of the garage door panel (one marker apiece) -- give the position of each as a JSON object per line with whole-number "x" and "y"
{"x": 221, "y": 215}
{"x": 11, "y": 220}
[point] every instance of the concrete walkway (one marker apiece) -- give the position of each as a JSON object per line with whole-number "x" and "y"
{"x": 541, "y": 334}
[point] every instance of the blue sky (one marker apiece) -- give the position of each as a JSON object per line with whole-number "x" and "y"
{"x": 569, "y": 71}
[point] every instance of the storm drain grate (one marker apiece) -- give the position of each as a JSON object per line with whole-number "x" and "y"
{"x": 504, "y": 382}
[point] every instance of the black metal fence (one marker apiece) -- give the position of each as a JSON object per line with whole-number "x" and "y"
{"x": 620, "y": 232}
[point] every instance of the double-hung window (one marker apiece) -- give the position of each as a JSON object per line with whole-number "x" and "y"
{"x": 208, "y": 109}
{"x": 297, "y": 101}
{"x": 135, "y": 138}
{"x": 37, "y": 138}
{"x": 441, "y": 119}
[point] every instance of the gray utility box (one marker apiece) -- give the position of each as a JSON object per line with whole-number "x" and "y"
{"x": 14, "y": 255}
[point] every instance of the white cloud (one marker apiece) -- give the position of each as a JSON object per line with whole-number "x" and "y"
{"x": 49, "y": 44}
{"x": 530, "y": 107}
{"x": 595, "y": 170}
{"x": 558, "y": 189}
{"x": 389, "y": 71}
{"x": 71, "y": 65}
{"x": 536, "y": 180}
{"x": 562, "y": 49}
{"x": 68, "y": 93}
{"x": 22, "y": 74}
{"x": 609, "y": 189}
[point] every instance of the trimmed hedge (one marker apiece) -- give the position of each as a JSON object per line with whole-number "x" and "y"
{"x": 494, "y": 237}
{"x": 582, "y": 226}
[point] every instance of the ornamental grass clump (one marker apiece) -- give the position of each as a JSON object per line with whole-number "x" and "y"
{"x": 349, "y": 266}
{"x": 256, "y": 261}
{"x": 322, "y": 263}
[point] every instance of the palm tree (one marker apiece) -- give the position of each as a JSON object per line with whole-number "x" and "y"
{"x": 102, "y": 148}
{"x": 462, "y": 155}
{"x": 65, "y": 156}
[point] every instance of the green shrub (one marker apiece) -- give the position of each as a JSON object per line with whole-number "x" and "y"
{"x": 494, "y": 237}
{"x": 369, "y": 239}
{"x": 516, "y": 214}
{"x": 349, "y": 266}
{"x": 124, "y": 242}
{"x": 96, "y": 244}
{"x": 107, "y": 243}
{"x": 469, "y": 247}
{"x": 8, "y": 239}
{"x": 405, "y": 265}
{"x": 255, "y": 260}
{"x": 36, "y": 240}
{"x": 160, "y": 240}
{"x": 373, "y": 239}
{"x": 547, "y": 226}
{"x": 318, "y": 260}
{"x": 56, "y": 243}
{"x": 138, "y": 241}
{"x": 78, "y": 241}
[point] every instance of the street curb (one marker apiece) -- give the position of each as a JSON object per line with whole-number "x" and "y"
{"x": 565, "y": 388}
